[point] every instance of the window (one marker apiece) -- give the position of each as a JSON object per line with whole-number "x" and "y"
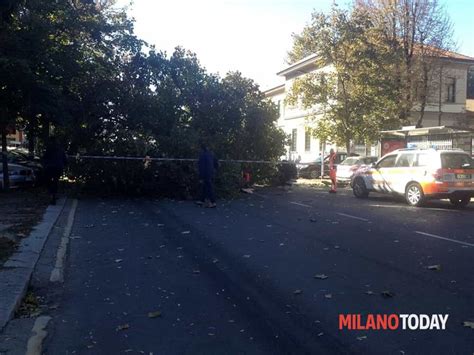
{"x": 405, "y": 160}
{"x": 388, "y": 162}
{"x": 423, "y": 159}
{"x": 293, "y": 140}
{"x": 451, "y": 90}
{"x": 307, "y": 140}
{"x": 455, "y": 161}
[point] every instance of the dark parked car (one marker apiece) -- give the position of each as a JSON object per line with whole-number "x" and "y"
{"x": 19, "y": 176}
{"x": 20, "y": 157}
{"x": 312, "y": 170}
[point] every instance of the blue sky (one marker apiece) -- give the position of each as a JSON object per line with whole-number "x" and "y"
{"x": 252, "y": 36}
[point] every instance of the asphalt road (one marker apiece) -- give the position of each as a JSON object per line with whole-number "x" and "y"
{"x": 239, "y": 279}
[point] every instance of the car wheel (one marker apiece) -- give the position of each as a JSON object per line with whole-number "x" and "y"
{"x": 314, "y": 174}
{"x": 359, "y": 189}
{"x": 460, "y": 201}
{"x": 414, "y": 194}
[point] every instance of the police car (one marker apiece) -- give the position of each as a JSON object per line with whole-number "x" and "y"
{"x": 419, "y": 175}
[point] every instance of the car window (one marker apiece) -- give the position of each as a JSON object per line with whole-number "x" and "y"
{"x": 387, "y": 162}
{"x": 369, "y": 160}
{"x": 341, "y": 157}
{"x": 405, "y": 160}
{"x": 456, "y": 161}
{"x": 422, "y": 159}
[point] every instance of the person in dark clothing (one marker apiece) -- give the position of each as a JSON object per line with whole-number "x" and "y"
{"x": 54, "y": 161}
{"x": 207, "y": 165}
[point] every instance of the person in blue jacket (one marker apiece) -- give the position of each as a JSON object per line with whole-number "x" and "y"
{"x": 54, "y": 161}
{"x": 207, "y": 165}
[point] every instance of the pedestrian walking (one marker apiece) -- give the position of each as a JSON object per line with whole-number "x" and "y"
{"x": 332, "y": 171}
{"x": 54, "y": 161}
{"x": 207, "y": 166}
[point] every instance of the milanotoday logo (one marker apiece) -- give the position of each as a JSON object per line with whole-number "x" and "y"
{"x": 393, "y": 321}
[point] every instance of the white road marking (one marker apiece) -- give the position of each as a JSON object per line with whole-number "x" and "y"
{"x": 57, "y": 275}
{"x": 35, "y": 343}
{"x": 443, "y": 238}
{"x": 420, "y": 209}
{"x": 353, "y": 217}
{"x": 301, "y": 204}
{"x": 388, "y": 206}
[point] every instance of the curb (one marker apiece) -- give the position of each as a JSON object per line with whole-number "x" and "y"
{"x": 16, "y": 272}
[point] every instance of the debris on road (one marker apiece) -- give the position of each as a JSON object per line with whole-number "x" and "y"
{"x": 247, "y": 191}
{"x": 434, "y": 267}
{"x": 362, "y": 337}
{"x": 123, "y": 327}
{"x": 186, "y": 232}
{"x": 154, "y": 314}
{"x": 469, "y": 324}
{"x": 328, "y": 295}
{"x": 387, "y": 294}
{"x": 321, "y": 276}
{"x": 297, "y": 292}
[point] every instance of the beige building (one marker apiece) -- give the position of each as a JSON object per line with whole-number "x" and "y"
{"x": 447, "y": 105}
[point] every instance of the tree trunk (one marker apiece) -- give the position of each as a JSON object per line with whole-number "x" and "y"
{"x": 6, "y": 178}
{"x": 348, "y": 146}
{"x": 423, "y": 98}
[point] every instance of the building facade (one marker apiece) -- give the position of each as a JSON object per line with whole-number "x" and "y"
{"x": 446, "y": 105}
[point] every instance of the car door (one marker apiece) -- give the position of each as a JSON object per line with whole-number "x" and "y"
{"x": 383, "y": 174}
{"x": 404, "y": 171}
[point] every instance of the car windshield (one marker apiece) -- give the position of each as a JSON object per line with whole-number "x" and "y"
{"x": 456, "y": 161}
{"x": 350, "y": 161}
{"x": 369, "y": 160}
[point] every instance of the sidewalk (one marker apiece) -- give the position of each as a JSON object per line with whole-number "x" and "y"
{"x": 16, "y": 272}
{"x": 20, "y": 211}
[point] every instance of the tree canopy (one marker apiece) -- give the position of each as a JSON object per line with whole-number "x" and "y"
{"x": 78, "y": 68}
{"x": 377, "y": 59}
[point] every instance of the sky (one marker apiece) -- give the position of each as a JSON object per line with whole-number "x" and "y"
{"x": 250, "y": 36}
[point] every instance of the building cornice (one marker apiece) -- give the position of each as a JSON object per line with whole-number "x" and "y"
{"x": 280, "y": 89}
{"x": 302, "y": 66}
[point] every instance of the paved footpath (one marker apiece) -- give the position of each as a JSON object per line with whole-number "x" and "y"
{"x": 167, "y": 277}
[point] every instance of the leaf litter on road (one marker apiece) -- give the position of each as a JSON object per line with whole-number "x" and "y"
{"x": 154, "y": 314}
{"x": 469, "y": 324}
{"x": 123, "y": 327}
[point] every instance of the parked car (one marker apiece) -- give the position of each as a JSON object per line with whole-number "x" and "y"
{"x": 21, "y": 157}
{"x": 350, "y": 165}
{"x": 419, "y": 175}
{"x": 19, "y": 176}
{"x": 312, "y": 170}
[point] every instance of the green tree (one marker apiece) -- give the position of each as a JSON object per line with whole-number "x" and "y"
{"x": 349, "y": 94}
{"x": 418, "y": 32}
